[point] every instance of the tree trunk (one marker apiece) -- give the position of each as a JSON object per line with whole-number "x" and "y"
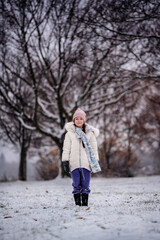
{"x": 108, "y": 160}
{"x": 23, "y": 163}
{"x": 128, "y": 162}
{"x": 24, "y": 143}
{"x": 105, "y": 149}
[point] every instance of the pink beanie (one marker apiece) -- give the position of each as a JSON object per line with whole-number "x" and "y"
{"x": 79, "y": 113}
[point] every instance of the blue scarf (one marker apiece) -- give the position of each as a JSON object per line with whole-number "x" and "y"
{"x": 91, "y": 157}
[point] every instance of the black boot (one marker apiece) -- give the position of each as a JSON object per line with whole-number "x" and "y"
{"x": 77, "y": 199}
{"x": 85, "y": 199}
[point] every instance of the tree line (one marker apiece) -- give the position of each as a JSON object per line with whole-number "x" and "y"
{"x": 59, "y": 55}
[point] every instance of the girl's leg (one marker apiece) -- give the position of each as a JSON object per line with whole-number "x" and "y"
{"x": 85, "y": 182}
{"x": 76, "y": 178}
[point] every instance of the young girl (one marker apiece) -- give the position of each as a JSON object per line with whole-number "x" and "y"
{"x": 80, "y": 155}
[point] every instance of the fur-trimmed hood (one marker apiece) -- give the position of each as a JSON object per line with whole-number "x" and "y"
{"x": 71, "y": 127}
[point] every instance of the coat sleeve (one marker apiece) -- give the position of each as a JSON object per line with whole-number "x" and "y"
{"x": 66, "y": 148}
{"x": 93, "y": 143}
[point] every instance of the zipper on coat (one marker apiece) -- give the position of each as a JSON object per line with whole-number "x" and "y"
{"x": 80, "y": 159}
{"x": 79, "y": 153}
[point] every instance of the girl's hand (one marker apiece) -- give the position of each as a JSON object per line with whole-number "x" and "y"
{"x": 66, "y": 166}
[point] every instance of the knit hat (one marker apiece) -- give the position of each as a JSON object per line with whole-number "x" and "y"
{"x": 79, "y": 113}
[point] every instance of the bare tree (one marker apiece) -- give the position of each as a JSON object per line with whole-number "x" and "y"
{"x": 12, "y": 105}
{"x": 68, "y": 54}
{"x": 148, "y": 121}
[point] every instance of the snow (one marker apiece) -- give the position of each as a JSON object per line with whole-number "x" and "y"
{"x": 25, "y": 125}
{"x": 10, "y": 152}
{"x": 119, "y": 208}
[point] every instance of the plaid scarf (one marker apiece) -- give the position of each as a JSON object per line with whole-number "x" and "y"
{"x": 90, "y": 154}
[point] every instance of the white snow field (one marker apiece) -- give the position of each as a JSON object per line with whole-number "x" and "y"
{"x": 119, "y": 208}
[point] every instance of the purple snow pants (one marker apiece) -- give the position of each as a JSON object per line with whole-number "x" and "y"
{"x": 81, "y": 180}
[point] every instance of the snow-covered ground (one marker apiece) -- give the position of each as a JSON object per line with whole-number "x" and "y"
{"x": 119, "y": 208}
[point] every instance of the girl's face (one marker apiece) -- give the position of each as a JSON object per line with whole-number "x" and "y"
{"x": 79, "y": 122}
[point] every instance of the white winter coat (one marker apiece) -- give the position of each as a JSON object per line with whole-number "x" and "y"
{"x": 73, "y": 150}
